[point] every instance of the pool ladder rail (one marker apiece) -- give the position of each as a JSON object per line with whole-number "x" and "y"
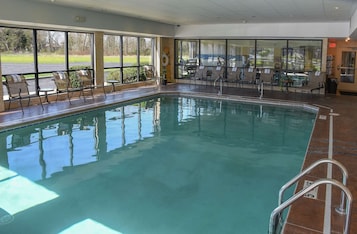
{"x": 220, "y": 79}
{"x": 276, "y": 222}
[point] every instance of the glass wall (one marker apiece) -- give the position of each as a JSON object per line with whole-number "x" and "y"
{"x": 304, "y": 55}
{"x": 80, "y": 50}
{"x": 212, "y": 52}
{"x": 283, "y": 55}
{"x": 269, "y": 54}
{"x": 51, "y": 56}
{"x": 16, "y": 47}
{"x": 128, "y": 58}
{"x": 112, "y": 57}
{"x": 187, "y": 54}
{"x": 240, "y": 53}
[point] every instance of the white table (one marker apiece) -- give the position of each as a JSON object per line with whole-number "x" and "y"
{"x": 113, "y": 82}
{"x": 45, "y": 91}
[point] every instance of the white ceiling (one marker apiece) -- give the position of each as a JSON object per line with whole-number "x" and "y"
{"x": 185, "y": 12}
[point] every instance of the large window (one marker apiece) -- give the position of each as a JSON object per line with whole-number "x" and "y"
{"x": 51, "y": 51}
{"x": 146, "y": 51}
{"x": 240, "y": 53}
{"x": 125, "y": 58}
{"x": 80, "y": 50}
{"x": 303, "y": 55}
{"x": 284, "y": 55}
{"x": 213, "y": 52}
{"x": 37, "y": 53}
{"x": 187, "y": 54}
{"x": 16, "y": 51}
{"x": 112, "y": 58}
{"x": 269, "y": 53}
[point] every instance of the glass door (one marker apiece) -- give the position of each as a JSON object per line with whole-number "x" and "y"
{"x": 347, "y": 68}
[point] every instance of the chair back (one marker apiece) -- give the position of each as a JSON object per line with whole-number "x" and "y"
{"x": 85, "y": 78}
{"x": 217, "y": 72}
{"x": 316, "y": 79}
{"x": 61, "y": 80}
{"x": 199, "y": 74}
{"x": 16, "y": 86}
{"x": 266, "y": 74}
{"x": 232, "y": 74}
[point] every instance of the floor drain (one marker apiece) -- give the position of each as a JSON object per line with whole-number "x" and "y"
{"x": 313, "y": 193}
{"x": 5, "y": 218}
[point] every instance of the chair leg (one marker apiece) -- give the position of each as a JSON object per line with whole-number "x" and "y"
{"x": 22, "y": 108}
{"x": 39, "y": 97}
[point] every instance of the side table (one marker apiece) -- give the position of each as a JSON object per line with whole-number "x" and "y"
{"x": 45, "y": 91}
{"x": 113, "y": 82}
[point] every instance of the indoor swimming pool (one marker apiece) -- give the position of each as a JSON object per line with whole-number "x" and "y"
{"x": 165, "y": 164}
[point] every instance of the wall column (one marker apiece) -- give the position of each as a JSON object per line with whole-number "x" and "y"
{"x": 2, "y": 104}
{"x": 99, "y": 58}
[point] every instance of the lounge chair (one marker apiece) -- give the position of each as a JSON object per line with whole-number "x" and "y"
{"x": 317, "y": 81}
{"x": 64, "y": 85}
{"x": 86, "y": 82}
{"x": 233, "y": 75}
{"x": 17, "y": 88}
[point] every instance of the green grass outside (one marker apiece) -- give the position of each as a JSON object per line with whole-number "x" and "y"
{"x": 56, "y": 59}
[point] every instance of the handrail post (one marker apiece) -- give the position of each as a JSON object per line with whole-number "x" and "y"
{"x": 307, "y": 170}
{"x": 277, "y": 211}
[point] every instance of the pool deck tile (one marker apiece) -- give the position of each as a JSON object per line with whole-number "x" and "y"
{"x": 306, "y": 215}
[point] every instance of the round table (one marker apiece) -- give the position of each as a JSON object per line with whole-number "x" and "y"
{"x": 113, "y": 82}
{"x": 46, "y": 90}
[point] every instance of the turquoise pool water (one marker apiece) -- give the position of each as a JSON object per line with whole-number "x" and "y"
{"x": 162, "y": 165}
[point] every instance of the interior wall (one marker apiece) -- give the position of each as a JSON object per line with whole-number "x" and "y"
{"x": 38, "y": 14}
{"x": 2, "y": 104}
{"x": 271, "y": 30}
{"x": 167, "y": 48}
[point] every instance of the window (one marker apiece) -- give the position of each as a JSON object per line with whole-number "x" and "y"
{"x": 213, "y": 52}
{"x": 240, "y": 53}
{"x": 112, "y": 58}
{"x": 80, "y": 47}
{"x": 269, "y": 54}
{"x": 146, "y": 51}
{"x": 186, "y": 57}
{"x": 303, "y": 55}
{"x": 51, "y": 55}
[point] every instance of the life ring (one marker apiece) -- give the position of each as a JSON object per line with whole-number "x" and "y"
{"x": 165, "y": 60}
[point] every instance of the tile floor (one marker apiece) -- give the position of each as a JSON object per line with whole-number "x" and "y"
{"x": 306, "y": 216}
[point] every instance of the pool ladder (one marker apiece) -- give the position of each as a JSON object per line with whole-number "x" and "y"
{"x": 344, "y": 209}
{"x": 220, "y": 85}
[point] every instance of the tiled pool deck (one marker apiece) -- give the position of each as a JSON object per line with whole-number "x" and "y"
{"x": 306, "y": 216}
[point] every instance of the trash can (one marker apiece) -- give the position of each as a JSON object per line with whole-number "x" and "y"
{"x": 331, "y": 85}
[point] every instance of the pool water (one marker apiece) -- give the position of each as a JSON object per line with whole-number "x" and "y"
{"x": 162, "y": 165}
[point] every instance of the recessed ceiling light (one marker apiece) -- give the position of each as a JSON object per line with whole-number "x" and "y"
{"x": 336, "y": 7}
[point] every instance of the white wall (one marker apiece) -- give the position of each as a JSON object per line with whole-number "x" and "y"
{"x": 353, "y": 27}
{"x": 22, "y": 12}
{"x": 271, "y": 30}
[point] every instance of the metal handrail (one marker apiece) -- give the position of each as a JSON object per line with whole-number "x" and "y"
{"x": 307, "y": 170}
{"x": 277, "y": 211}
{"x": 220, "y": 84}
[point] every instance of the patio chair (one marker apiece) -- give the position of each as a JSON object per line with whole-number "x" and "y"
{"x": 247, "y": 76}
{"x": 87, "y": 82}
{"x": 199, "y": 74}
{"x": 64, "y": 85}
{"x": 17, "y": 88}
{"x": 316, "y": 81}
{"x": 233, "y": 75}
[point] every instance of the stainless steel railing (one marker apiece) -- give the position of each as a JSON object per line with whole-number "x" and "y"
{"x": 308, "y": 170}
{"x": 275, "y": 215}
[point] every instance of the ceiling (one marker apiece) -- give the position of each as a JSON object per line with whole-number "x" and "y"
{"x": 185, "y": 12}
